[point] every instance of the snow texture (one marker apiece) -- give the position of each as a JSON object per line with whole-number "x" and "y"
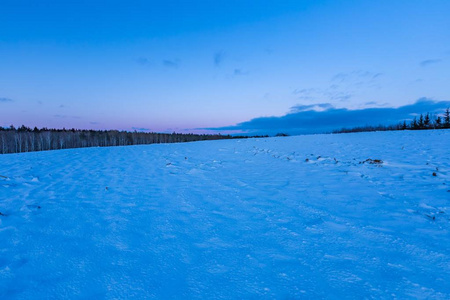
{"x": 363, "y": 215}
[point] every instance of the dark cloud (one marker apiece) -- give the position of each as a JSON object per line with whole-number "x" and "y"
{"x": 171, "y": 63}
{"x": 218, "y": 58}
{"x": 324, "y": 117}
{"x": 428, "y": 62}
{"x": 3, "y": 99}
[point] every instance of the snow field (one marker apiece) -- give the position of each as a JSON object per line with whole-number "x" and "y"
{"x": 292, "y": 217}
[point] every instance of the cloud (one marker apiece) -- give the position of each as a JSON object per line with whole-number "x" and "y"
{"x": 357, "y": 75}
{"x": 3, "y": 99}
{"x": 324, "y": 117}
{"x": 334, "y": 92}
{"x": 308, "y": 94}
{"x": 171, "y": 63}
{"x": 140, "y": 129}
{"x": 315, "y": 107}
{"x": 339, "y": 96}
{"x": 218, "y": 58}
{"x": 428, "y": 62}
{"x": 343, "y": 86}
{"x": 66, "y": 117}
{"x": 239, "y": 72}
{"x": 143, "y": 61}
{"x": 375, "y": 104}
{"x": 350, "y": 81}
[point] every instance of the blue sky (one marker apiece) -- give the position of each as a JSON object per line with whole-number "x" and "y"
{"x": 186, "y": 65}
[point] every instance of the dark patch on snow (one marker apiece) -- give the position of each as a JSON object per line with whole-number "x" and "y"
{"x": 431, "y": 217}
{"x": 372, "y": 161}
{"x": 34, "y": 206}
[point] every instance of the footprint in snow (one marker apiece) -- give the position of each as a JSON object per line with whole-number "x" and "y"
{"x": 429, "y": 212}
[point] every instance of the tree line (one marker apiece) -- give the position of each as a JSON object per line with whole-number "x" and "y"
{"x": 422, "y": 122}
{"x": 25, "y": 139}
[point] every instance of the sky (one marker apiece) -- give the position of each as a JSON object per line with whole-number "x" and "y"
{"x": 216, "y": 66}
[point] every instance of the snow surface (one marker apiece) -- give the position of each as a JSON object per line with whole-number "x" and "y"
{"x": 291, "y": 217}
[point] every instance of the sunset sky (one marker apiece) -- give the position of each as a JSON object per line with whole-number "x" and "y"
{"x": 206, "y": 66}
